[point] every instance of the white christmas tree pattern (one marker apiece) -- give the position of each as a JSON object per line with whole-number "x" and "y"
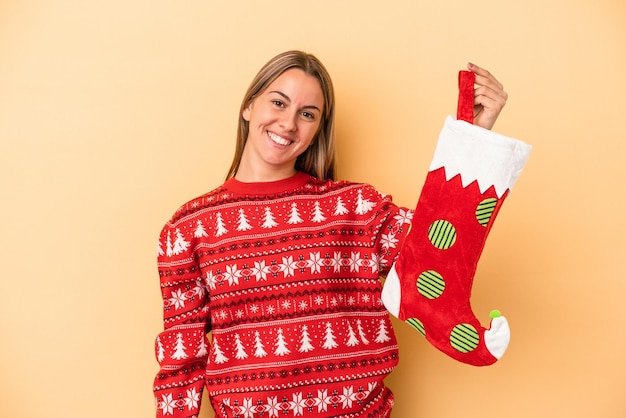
{"x": 281, "y": 344}
{"x": 271, "y": 215}
{"x": 179, "y": 245}
{"x": 243, "y": 344}
{"x": 220, "y": 228}
{"x": 219, "y": 354}
{"x": 269, "y": 220}
{"x": 202, "y": 349}
{"x": 259, "y": 349}
{"x": 305, "y": 340}
{"x": 242, "y": 222}
{"x": 160, "y": 350}
{"x": 294, "y": 215}
{"x": 240, "y": 353}
{"x": 200, "y": 231}
{"x": 340, "y": 207}
{"x": 169, "y": 248}
{"x": 359, "y": 327}
{"x": 383, "y": 334}
{"x": 362, "y": 205}
{"x": 352, "y": 339}
{"x": 180, "y": 348}
{"x": 318, "y": 215}
{"x": 329, "y": 338}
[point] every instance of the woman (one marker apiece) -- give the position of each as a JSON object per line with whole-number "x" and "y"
{"x": 282, "y": 265}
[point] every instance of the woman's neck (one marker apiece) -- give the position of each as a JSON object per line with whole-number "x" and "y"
{"x": 247, "y": 175}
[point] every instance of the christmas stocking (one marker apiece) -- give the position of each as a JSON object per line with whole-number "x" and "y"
{"x": 430, "y": 284}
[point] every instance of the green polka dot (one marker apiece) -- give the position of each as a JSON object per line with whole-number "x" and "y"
{"x": 417, "y": 324}
{"x": 430, "y": 284}
{"x": 442, "y": 234}
{"x": 464, "y": 338}
{"x": 485, "y": 210}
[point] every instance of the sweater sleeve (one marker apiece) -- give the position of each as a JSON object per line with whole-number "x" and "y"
{"x": 182, "y": 347}
{"x": 391, "y": 224}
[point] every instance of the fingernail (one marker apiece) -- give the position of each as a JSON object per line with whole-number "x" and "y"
{"x": 471, "y": 65}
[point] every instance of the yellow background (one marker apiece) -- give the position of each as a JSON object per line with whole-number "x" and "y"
{"x": 113, "y": 113}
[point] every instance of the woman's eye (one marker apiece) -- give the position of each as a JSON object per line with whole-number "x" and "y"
{"x": 278, "y": 103}
{"x": 308, "y": 115}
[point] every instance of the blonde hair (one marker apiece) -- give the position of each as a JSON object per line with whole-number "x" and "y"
{"x": 319, "y": 159}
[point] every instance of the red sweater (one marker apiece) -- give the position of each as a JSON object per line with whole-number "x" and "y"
{"x": 286, "y": 276}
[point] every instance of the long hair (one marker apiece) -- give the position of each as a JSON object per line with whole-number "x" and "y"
{"x": 319, "y": 159}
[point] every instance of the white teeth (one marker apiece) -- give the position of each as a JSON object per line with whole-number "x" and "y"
{"x": 279, "y": 140}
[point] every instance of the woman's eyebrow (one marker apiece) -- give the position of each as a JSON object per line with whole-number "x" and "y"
{"x": 283, "y": 95}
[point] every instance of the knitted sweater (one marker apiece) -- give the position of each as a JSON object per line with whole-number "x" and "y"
{"x": 286, "y": 277}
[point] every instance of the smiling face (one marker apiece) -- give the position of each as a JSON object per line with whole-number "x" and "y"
{"x": 283, "y": 121}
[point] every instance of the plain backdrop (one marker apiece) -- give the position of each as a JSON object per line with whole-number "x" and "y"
{"x": 112, "y": 114}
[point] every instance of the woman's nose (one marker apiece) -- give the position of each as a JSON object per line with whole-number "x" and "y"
{"x": 288, "y": 121}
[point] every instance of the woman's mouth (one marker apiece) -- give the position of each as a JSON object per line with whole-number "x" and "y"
{"x": 278, "y": 139}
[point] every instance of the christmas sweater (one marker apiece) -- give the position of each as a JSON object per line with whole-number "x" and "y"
{"x": 286, "y": 277}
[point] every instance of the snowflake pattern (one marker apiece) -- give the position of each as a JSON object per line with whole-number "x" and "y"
{"x": 353, "y": 262}
{"x": 300, "y": 404}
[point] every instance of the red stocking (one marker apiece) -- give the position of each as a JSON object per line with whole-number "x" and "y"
{"x": 430, "y": 284}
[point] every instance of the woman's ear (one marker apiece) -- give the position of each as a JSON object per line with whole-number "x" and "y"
{"x": 245, "y": 114}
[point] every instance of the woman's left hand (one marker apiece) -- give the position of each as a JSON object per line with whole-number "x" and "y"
{"x": 489, "y": 97}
